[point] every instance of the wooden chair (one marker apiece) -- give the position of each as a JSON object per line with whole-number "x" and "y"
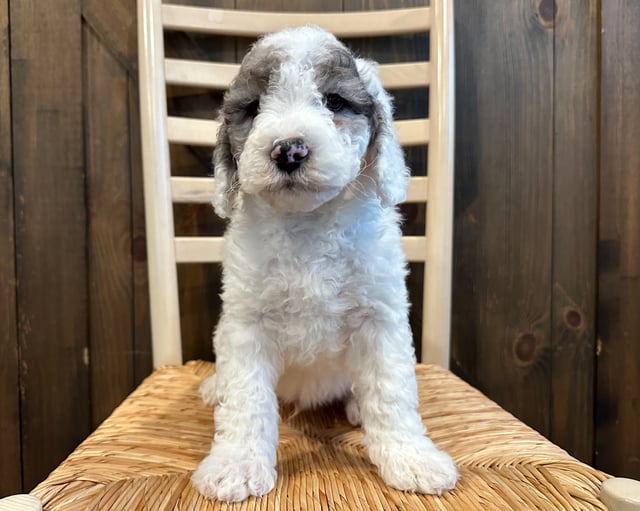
{"x": 142, "y": 456}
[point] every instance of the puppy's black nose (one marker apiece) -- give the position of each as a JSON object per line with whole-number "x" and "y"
{"x": 288, "y": 154}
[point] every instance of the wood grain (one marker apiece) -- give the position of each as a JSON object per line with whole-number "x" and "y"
{"x": 465, "y": 309}
{"x": 10, "y": 473}
{"x": 142, "y": 356}
{"x": 290, "y": 6}
{"x": 114, "y": 24}
{"x": 618, "y": 391}
{"x": 504, "y": 180}
{"x": 109, "y": 227}
{"x": 46, "y": 71}
{"x": 575, "y": 209}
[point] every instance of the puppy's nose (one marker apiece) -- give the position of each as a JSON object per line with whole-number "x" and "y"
{"x": 288, "y": 154}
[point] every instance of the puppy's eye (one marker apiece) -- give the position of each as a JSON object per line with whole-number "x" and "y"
{"x": 335, "y": 102}
{"x": 252, "y": 108}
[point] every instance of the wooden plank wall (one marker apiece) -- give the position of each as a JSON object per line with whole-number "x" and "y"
{"x": 110, "y": 205}
{"x": 527, "y": 166}
{"x": 504, "y": 185}
{"x": 618, "y": 390}
{"x": 73, "y": 307}
{"x": 10, "y": 444}
{"x": 547, "y": 251}
{"x": 50, "y": 230}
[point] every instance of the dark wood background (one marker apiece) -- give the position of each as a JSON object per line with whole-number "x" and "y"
{"x": 546, "y": 318}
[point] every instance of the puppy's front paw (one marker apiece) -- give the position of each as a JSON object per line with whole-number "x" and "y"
{"x": 232, "y": 478}
{"x": 416, "y": 465}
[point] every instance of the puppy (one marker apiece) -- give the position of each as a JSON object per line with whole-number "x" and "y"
{"x": 309, "y": 170}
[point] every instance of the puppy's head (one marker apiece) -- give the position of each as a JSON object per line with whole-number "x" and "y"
{"x": 302, "y": 121}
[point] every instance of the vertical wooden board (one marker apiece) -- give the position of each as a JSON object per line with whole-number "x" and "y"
{"x": 46, "y": 69}
{"x": 465, "y": 306}
{"x": 109, "y": 227}
{"x": 10, "y": 462}
{"x": 142, "y": 356}
{"x": 114, "y": 23}
{"x": 618, "y": 367}
{"x": 575, "y": 207}
{"x": 504, "y": 180}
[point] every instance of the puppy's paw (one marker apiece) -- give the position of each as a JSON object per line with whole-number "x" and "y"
{"x": 233, "y": 478}
{"x": 208, "y": 391}
{"x": 415, "y": 466}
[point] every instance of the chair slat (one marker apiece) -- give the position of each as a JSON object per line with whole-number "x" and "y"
{"x": 196, "y": 73}
{"x": 418, "y": 189}
{"x": 190, "y": 131}
{"x": 405, "y": 75}
{"x": 199, "y": 190}
{"x": 413, "y": 132}
{"x": 218, "y": 75}
{"x": 209, "y": 249}
{"x": 201, "y": 249}
{"x": 415, "y": 248}
{"x": 193, "y": 190}
{"x": 254, "y": 24}
{"x": 202, "y": 132}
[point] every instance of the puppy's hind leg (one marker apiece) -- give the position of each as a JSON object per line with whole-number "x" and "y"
{"x": 383, "y": 371}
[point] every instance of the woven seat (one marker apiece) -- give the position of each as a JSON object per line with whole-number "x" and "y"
{"x": 143, "y": 455}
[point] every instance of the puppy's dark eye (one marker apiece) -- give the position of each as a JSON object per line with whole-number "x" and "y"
{"x": 252, "y": 108}
{"x": 335, "y": 102}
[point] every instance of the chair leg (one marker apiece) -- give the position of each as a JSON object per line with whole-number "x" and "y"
{"x": 621, "y": 494}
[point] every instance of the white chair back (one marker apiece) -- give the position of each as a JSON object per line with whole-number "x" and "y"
{"x": 159, "y": 130}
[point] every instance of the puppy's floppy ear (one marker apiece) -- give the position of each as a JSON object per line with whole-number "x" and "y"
{"x": 226, "y": 174}
{"x": 384, "y": 156}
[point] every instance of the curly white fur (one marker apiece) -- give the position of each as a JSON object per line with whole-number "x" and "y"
{"x": 315, "y": 304}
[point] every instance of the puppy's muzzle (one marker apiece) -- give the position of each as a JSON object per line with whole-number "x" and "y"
{"x": 288, "y": 154}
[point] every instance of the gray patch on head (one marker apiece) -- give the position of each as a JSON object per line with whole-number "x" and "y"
{"x": 248, "y": 86}
{"x": 337, "y": 73}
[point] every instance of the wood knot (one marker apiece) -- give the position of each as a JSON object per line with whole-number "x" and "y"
{"x": 547, "y": 12}
{"x": 573, "y": 318}
{"x": 525, "y": 348}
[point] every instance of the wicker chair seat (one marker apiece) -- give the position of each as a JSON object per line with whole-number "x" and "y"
{"x": 142, "y": 456}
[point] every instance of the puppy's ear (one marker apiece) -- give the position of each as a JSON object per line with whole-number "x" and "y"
{"x": 226, "y": 174}
{"x": 385, "y": 158}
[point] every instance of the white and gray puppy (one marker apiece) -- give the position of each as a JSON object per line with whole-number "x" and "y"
{"x": 309, "y": 170}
